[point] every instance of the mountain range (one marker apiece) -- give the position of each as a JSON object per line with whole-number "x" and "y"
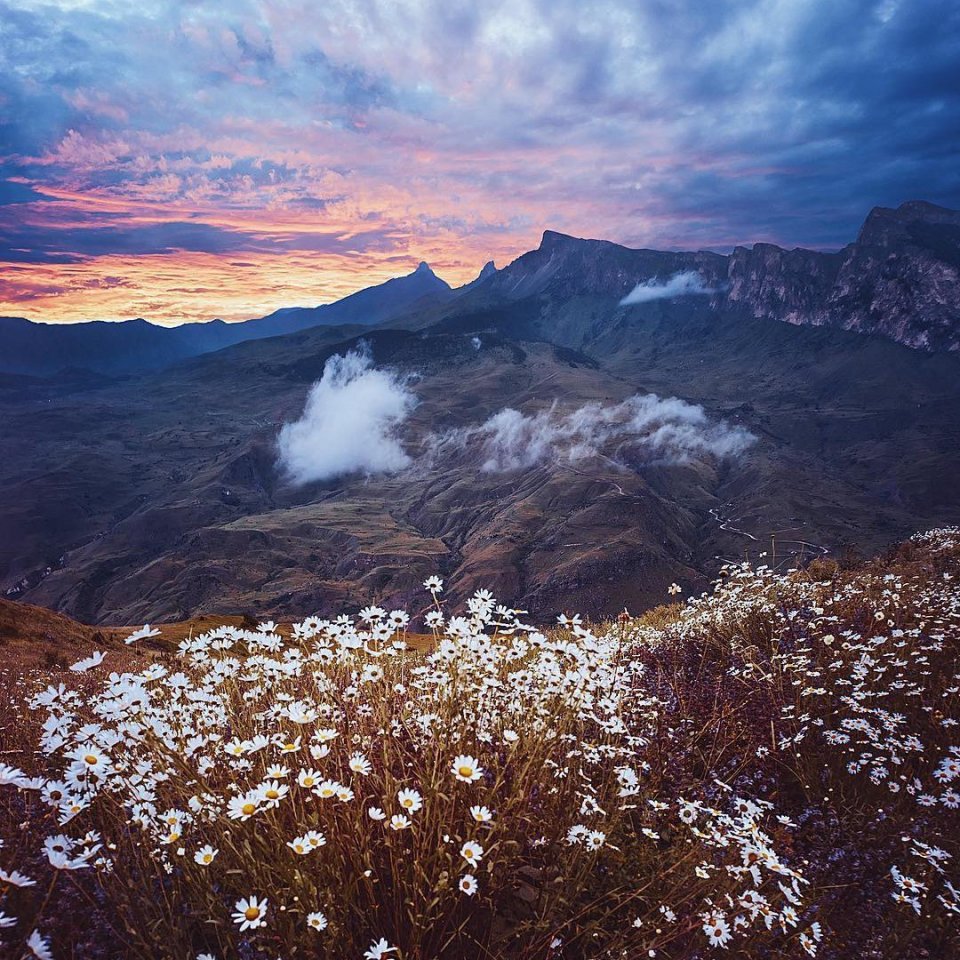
{"x": 900, "y": 279}
{"x": 135, "y": 346}
{"x": 129, "y": 496}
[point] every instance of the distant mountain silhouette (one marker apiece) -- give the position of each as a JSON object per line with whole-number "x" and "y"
{"x": 135, "y": 346}
{"x": 900, "y": 279}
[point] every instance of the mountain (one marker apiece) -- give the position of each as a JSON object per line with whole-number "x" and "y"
{"x": 900, "y": 279}
{"x": 136, "y": 346}
{"x": 160, "y": 498}
{"x": 366, "y": 307}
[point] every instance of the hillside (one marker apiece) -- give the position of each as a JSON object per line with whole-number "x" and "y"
{"x": 769, "y": 768}
{"x": 161, "y": 499}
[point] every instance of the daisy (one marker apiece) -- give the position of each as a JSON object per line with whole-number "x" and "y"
{"x": 360, "y": 764}
{"x": 250, "y": 913}
{"x": 272, "y": 792}
{"x": 376, "y": 813}
{"x": 90, "y": 759}
{"x": 595, "y": 839}
{"x": 16, "y": 878}
{"x": 205, "y": 855}
{"x": 314, "y": 839}
{"x": 399, "y": 822}
{"x": 468, "y": 884}
{"x": 299, "y": 845}
{"x": 472, "y": 852}
{"x": 308, "y": 778}
{"x": 144, "y": 633}
{"x": 327, "y": 789}
{"x": 466, "y": 768}
{"x": 82, "y": 666}
{"x": 481, "y": 814}
{"x": 317, "y": 921}
{"x": 11, "y": 775}
{"x": 410, "y": 800}
{"x": 243, "y": 807}
{"x": 379, "y": 950}
{"x": 39, "y": 946}
{"x": 717, "y": 930}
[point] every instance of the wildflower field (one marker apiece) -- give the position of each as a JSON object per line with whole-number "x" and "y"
{"x": 770, "y": 770}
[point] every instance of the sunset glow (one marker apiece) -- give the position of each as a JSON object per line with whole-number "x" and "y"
{"x": 184, "y": 161}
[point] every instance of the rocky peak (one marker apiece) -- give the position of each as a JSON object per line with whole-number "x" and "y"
{"x": 886, "y": 226}
{"x": 488, "y": 268}
{"x": 551, "y": 240}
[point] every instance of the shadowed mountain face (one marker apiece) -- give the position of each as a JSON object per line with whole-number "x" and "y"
{"x": 900, "y": 280}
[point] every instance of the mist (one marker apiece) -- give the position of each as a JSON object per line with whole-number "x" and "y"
{"x": 646, "y": 428}
{"x": 349, "y": 423}
{"x": 681, "y": 284}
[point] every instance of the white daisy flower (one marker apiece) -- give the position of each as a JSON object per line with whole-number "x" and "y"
{"x": 250, "y": 913}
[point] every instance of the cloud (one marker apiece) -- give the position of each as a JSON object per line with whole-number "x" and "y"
{"x": 349, "y": 423}
{"x": 642, "y": 123}
{"x": 643, "y": 429}
{"x": 679, "y": 285}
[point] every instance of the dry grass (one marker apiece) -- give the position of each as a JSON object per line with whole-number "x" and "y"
{"x": 764, "y": 765}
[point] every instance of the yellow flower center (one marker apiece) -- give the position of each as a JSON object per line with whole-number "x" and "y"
{"x": 248, "y": 809}
{"x": 91, "y": 759}
{"x": 207, "y": 858}
{"x": 465, "y": 771}
{"x": 272, "y": 794}
{"x": 408, "y": 803}
{"x": 251, "y": 913}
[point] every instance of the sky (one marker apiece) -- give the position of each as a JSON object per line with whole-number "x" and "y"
{"x": 181, "y": 160}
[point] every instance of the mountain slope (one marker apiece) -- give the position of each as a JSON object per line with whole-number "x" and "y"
{"x": 162, "y": 499}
